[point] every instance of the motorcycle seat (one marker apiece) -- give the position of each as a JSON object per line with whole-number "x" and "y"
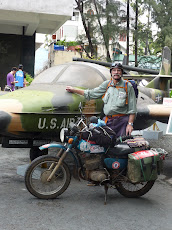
{"x": 121, "y": 150}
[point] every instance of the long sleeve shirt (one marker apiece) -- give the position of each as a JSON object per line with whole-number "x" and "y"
{"x": 115, "y": 98}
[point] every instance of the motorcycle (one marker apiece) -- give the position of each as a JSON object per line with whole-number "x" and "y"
{"x": 49, "y": 176}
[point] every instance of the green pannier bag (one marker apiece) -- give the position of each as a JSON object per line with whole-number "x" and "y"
{"x": 142, "y": 166}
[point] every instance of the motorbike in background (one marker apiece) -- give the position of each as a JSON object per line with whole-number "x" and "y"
{"x": 49, "y": 176}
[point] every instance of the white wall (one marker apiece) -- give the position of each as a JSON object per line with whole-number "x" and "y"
{"x": 57, "y": 7}
{"x": 25, "y": 17}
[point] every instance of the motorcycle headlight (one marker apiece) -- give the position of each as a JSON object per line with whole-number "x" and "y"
{"x": 62, "y": 134}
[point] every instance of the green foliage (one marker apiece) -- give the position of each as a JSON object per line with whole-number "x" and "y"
{"x": 108, "y": 14}
{"x": 103, "y": 20}
{"x": 143, "y": 34}
{"x": 161, "y": 13}
{"x": 171, "y": 93}
{"x": 29, "y": 79}
{"x": 67, "y": 44}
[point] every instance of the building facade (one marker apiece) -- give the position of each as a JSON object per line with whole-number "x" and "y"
{"x": 19, "y": 22}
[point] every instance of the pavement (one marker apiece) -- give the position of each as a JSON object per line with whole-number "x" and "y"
{"x": 81, "y": 207}
{"x": 165, "y": 142}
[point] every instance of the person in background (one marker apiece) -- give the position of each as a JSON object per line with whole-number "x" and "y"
{"x": 20, "y": 77}
{"x": 119, "y": 105}
{"x": 11, "y": 80}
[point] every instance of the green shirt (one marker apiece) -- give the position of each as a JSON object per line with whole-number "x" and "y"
{"x": 114, "y": 99}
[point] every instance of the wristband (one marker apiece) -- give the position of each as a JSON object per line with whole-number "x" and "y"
{"x": 129, "y": 123}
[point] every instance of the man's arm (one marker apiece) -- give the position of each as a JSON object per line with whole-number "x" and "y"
{"x": 89, "y": 94}
{"x": 132, "y": 110}
{"x": 70, "y": 89}
{"x": 129, "y": 127}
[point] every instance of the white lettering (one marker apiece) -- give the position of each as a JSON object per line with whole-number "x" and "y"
{"x": 63, "y": 123}
{"x": 67, "y": 124}
{"x": 41, "y": 124}
{"x": 53, "y": 123}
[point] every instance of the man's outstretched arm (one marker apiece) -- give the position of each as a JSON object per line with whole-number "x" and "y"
{"x": 70, "y": 89}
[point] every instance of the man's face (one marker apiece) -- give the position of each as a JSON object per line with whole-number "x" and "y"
{"x": 116, "y": 73}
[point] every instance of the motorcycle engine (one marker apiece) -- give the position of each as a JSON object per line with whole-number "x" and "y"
{"x": 94, "y": 168}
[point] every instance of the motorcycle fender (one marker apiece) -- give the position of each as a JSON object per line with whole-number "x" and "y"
{"x": 52, "y": 145}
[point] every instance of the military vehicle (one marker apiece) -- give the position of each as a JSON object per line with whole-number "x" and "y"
{"x": 31, "y": 116}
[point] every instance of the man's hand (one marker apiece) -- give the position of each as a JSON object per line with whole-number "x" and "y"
{"x": 70, "y": 89}
{"x": 129, "y": 129}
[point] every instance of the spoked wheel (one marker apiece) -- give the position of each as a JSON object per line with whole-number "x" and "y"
{"x": 131, "y": 190}
{"x": 39, "y": 171}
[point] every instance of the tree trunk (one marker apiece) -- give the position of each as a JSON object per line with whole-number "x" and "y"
{"x": 101, "y": 29}
{"x": 136, "y": 37}
{"x": 128, "y": 27}
{"x": 147, "y": 37}
{"x": 80, "y": 7}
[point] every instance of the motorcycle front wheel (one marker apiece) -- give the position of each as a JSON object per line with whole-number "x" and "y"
{"x": 131, "y": 190}
{"x": 38, "y": 172}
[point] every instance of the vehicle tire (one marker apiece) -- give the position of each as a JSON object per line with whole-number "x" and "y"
{"x": 131, "y": 190}
{"x": 36, "y": 178}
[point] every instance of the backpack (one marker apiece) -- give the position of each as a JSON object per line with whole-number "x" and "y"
{"x": 103, "y": 136}
{"x": 132, "y": 82}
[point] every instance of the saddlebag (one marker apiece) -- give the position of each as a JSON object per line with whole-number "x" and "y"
{"x": 143, "y": 166}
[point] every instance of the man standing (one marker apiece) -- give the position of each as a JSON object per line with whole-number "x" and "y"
{"x": 10, "y": 78}
{"x": 119, "y": 101}
{"x": 20, "y": 77}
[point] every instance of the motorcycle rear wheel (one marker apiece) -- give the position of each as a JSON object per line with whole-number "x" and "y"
{"x": 36, "y": 178}
{"x": 131, "y": 190}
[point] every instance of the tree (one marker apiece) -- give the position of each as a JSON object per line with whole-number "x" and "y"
{"x": 103, "y": 23}
{"x": 161, "y": 13}
{"x": 128, "y": 29}
{"x": 86, "y": 28}
{"x": 108, "y": 17}
{"x": 144, "y": 40}
{"x": 136, "y": 36}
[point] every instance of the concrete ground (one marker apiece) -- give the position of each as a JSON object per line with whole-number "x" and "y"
{"x": 81, "y": 207}
{"x": 165, "y": 142}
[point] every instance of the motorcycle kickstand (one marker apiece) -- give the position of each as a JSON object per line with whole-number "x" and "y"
{"x": 106, "y": 190}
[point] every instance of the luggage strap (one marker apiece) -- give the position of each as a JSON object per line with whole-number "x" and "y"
{"x": 143, "y": 166}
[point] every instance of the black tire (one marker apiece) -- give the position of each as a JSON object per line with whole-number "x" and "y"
{"x": 37, "y": 173}
{"x": 131, "y": 190}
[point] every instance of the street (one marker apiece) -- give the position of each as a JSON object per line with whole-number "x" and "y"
{"x": 80, "y": 207}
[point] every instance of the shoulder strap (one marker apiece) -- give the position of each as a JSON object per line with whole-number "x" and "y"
{"x": 126, "y": 89}
{"x": 108, "y": 85}
{"x": 125, "y": 86}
